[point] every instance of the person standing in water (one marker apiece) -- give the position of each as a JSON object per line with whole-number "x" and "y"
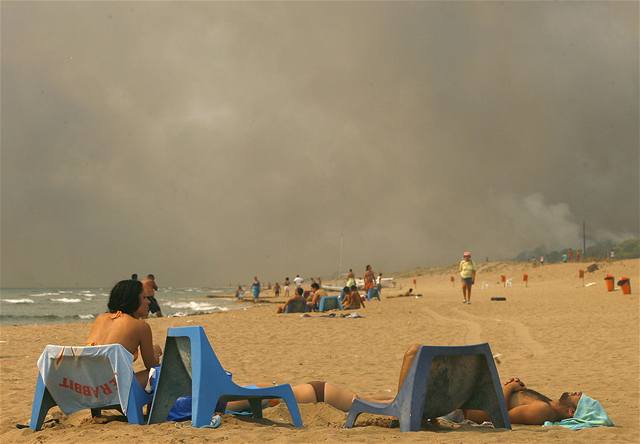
{"x": 150, "y": 287}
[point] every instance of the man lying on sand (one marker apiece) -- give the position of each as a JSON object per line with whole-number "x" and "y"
{"x": 527, "y": 406}
{"x": 124, "y": 324}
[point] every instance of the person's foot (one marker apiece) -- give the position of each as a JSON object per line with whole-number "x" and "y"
{"x": 469, "y": 302}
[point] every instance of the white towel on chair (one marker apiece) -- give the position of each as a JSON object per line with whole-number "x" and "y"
{"x": 87, "y": 377}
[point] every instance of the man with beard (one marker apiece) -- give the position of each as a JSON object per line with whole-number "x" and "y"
{"x": 529, "y": 407}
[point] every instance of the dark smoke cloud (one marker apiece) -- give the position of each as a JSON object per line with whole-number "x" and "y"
{"x": 207, "y": 142}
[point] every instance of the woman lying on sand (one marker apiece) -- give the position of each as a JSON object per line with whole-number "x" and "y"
{"x": 124, "y": 324}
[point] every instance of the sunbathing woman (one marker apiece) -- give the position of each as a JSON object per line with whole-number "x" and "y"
{"x": 124, "y": 324}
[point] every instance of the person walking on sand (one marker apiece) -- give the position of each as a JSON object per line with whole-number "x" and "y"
{"x": 255, "y": 289}
{"x": 150, "y": 287}
{"x": 379, "y": 284}
{"x": 298, "y": 281}
{"x": 351, "y": 279}
{"x": 468, "y": 275}
{"x": 276, "y": 289}
{"x": 239, "y": 292}
{"x": 286, "y": 285}
{"x": 369, "y": 281}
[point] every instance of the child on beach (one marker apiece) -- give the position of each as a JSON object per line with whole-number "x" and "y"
{"x": 276, "y": 289}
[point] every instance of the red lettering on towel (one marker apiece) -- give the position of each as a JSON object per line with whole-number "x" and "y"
{"x": 106, "y": 389}
{"x": 77, "y": 387}
{"x": 64, "y": 383}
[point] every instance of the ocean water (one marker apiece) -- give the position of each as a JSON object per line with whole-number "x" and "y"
{"x": 51, "y": 305}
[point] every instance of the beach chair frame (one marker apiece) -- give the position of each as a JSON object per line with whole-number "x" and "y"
{"x": 43, "y": 402}
{"x": 299, "y": 306}
{"x": 329, "y": 303}
{"x": 190, "y": 367}
{"x": 443, "y": 379}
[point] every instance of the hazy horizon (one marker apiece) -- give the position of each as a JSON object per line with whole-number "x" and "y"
{"x": 209, "y": 142}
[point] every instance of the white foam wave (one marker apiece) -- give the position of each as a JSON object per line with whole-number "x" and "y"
{"x": 66, "y": 300}
{"x": 55, "y": 293}
{"x": 196, "y": 306}
{"x": 18, "y": 301}
{"x": 87, "y": 316}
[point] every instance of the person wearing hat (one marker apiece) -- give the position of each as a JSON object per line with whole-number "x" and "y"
{"x": 468, "y": 276}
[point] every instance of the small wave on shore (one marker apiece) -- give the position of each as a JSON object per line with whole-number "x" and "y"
{"x": 18, "y": 301}
{"x": 196, "y": 306}
{"x": 66, "y": 300}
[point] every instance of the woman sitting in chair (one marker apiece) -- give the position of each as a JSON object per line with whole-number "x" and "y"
{"x": 124, "y": 324}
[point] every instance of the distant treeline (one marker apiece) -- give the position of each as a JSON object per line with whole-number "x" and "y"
{"x": 601, "y": 250}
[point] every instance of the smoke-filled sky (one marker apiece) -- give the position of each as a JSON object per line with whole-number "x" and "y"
{"x": 208, "y": 142}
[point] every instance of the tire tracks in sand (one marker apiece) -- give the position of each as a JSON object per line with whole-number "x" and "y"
{"x": 521, "y": 330}
{"x": 473, "y": 334}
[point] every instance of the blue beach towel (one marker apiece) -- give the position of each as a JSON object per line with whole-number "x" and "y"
{"x": 589, "y": 413}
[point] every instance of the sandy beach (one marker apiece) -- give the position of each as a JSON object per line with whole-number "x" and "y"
{"x": 556, "y": 335}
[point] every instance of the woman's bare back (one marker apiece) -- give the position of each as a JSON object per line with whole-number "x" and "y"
{"x": 111, "y": 328}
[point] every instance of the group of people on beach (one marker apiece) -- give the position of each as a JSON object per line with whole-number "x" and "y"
{"x": 124, "y": 323}
{"x": 130, "y": 302}
{"x": 349, "y": 297}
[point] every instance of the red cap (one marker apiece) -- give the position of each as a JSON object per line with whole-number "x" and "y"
{"x": 466, "y": 253}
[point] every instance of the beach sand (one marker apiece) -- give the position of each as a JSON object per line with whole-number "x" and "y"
{"x": 556, "y": 335}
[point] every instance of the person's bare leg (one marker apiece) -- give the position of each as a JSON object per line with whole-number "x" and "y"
{"x": 464, "y": 291}
{"x": 339, "y": 397}
{"x": 336, "y": 396}
{"x": 477, "y": 416}
{"x": 409, "y": 356}
{"x": 143, "y": 377}
{"x": 469, "y": 294}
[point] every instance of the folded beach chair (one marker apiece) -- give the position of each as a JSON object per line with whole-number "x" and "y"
{"x": 76, "y": 378}
{"x": 299, "y": 306}
{"x": 443, "y": 379}
{"x": 329, "y": 303}
{"x": 190, "y": 367}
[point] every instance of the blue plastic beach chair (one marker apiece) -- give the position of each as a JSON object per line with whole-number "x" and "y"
{"x": 329, "y": 303}
{"x": 441, "y": 380}
{"x": 190, "y": 367}
{"x": 298, "y": 306}
{"x": 77, "y": 384}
